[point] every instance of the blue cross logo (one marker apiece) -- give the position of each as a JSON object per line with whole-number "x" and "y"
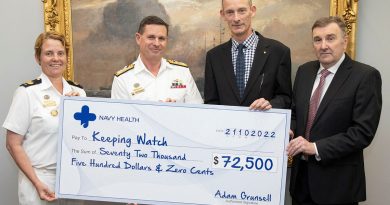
{"x": 84, "y": 116}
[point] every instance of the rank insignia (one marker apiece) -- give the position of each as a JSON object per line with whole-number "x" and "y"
{"x": 32, "y": 82}
{"x": 137, "y": 89}
{"x": 178, "y": 63}
{"x": 178, "y": 84}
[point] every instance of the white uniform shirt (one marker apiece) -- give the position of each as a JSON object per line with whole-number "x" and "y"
{"x": 34, "y": 115}
{"x": 173, "y": 80}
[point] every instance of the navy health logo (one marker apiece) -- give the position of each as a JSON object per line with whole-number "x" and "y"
{"x": 84, "y": 116}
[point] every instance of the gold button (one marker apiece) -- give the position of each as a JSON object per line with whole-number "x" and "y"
{"x": 54, "y": 113}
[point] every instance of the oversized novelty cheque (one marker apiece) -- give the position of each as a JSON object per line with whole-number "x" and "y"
{"x": 171, "y": 153}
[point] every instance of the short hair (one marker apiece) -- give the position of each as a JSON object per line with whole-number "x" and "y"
{"x": 151, "y": 20}
{"x": 324, "y": 21}
{"x": 49, "y": 35}
{"x": 249, "y": 1}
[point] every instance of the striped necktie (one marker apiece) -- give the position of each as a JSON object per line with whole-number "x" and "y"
{"x": 314, "y": 102}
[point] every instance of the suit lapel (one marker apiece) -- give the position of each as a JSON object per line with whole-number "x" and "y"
{"x": 339, "y": 79}
{"x": 261, "y": 55}
{"x": 227, "y": 63}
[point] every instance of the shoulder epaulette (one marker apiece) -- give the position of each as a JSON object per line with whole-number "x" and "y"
{"x": 173, "y": 62}
{"x": 124, "y": 70}
{"x": 74, "y": 84}
{"x": 32, "y": 82}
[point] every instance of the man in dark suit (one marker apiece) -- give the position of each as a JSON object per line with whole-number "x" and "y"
{"x": 335, "y": 112}
{"x": 248, "y": 70}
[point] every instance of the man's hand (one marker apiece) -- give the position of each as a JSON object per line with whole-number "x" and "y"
{"x": 260, "y": 104}
{"x": 300, "y": 145}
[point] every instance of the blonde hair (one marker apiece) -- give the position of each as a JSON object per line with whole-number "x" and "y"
{"x": 49, "y": 35}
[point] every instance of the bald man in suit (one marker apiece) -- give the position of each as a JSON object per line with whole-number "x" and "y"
{"x": 266, "y": 79}
{"x": 335, "y": 113}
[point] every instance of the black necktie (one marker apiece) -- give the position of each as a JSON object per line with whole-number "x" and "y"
{"x": 240, "y": 70}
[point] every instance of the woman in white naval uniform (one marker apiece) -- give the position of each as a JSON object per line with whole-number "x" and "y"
{"x": 32, "y": 121}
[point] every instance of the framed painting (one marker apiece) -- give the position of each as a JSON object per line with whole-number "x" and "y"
{"x": 101, "y": 33}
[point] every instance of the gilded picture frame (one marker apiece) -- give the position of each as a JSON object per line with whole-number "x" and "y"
{"x": 58, "y": 17}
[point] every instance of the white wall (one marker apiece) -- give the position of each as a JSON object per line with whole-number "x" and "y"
{"x": 22, "y": 21}
{"x": 373, "y": 44}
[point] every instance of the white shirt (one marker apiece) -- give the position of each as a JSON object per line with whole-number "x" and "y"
{"x": 328, "y": 79}
{"x": 173, "y": 80}
{"x": 34, "y": 115}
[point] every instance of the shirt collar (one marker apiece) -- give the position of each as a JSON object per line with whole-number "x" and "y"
{"x": 250, "y": 42}
{"x": 46, "y": 84}
{"x": 333, "y": 69}
{"x": 140, "y": 66}
{"x": 67, "y": 88}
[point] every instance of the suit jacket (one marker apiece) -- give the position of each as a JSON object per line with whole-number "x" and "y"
{"x": 269, "y": 78}
{"x": 345, "y": 123}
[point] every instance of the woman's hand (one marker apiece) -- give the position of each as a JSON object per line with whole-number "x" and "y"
{"x": 44, "y": 192}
